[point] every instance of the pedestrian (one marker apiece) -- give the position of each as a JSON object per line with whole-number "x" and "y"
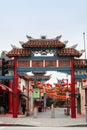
{"x": 23, "y": 105}
{"x": 5, "y": 108}
{"x": 23, "y": 109}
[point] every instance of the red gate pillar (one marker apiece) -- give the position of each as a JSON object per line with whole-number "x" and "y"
{"x": 73, "y": 107}
{"x": 15, "y": 90}
{"x": 10, "y": 108}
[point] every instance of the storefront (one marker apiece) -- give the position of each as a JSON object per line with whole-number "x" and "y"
{"x": 4, "y": 98}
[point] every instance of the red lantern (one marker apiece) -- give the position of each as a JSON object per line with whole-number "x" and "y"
{"x": 84, "y": 80}
{"x": 57, "y": 85}
{"x": 69, "y": 84}
{"x": 65, "y": 84}
{"x": 30, "y": 90}
{"x": 24, "y": 88}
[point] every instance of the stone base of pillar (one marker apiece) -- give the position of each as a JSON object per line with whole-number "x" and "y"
{"x": 10, "y": 112}
{"x": 52, "y": 112}
{"x": 35, "y": 112}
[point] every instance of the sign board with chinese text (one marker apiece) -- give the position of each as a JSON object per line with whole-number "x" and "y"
{"x": 36, "y": 93}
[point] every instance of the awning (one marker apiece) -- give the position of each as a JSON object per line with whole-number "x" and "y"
{"x": 5, "y": 88}
{"x": 2, "y": 87}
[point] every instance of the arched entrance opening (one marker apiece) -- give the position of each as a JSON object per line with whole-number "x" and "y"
{"x": 61, "y": 60}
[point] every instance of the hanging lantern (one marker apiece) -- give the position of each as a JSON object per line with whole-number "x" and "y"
{"x": 57, "y": 91}
{"x": 84, "y": 80}
{"x": 69, "y": 88}
{"x": 57, "y": 85}
{"x": 38, "y": 84}
{"x": 30, "y": 90}
{"x": 24, "y": 88}
{"x": 44, "y": 86}
{"x": 53, "y": 91}
{"x": 50, "y": 85}
{"x": 65, "y": 84}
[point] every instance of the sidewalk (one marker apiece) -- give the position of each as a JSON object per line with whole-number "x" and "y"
{"x": 80, "y": 116}
{"x": 44, "y": 119}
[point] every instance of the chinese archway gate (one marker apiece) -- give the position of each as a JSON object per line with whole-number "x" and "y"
{"x": 62, "y": 60}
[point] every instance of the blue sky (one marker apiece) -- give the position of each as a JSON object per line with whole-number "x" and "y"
{"x": 38, "y": 17}
{"x": 42, "y": 17}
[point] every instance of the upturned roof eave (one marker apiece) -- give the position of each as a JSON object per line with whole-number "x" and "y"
{"x": 15, "y": 52}
{"x": 69, "y": 52}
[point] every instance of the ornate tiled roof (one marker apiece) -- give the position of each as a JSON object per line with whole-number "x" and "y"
{"x": 69, "y": 52}
{"x": 45, "y": 77}
{"x": 39, "y": 72}
{"x": 18, "y": 52}
{"x": 43, "y": 43}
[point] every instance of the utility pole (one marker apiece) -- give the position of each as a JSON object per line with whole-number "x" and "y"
{"x": 85, "y": 89}
{"x": 84, "y": 44}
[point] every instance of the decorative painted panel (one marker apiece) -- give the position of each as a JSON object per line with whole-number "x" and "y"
{"x": 37, "y": 63}
{"x": 23, "y": 64}
{"x": 50, "y": 63}
{"x": 64, "y": 63}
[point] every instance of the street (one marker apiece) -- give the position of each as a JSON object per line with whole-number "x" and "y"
{"x": 42, "y": 120}
{"x": 41, "y": 128}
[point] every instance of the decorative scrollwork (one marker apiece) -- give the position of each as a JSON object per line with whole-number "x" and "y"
{"x": 44, "y": 52}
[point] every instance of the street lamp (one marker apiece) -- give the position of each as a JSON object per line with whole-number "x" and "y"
{"x": 85, "y": 89}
